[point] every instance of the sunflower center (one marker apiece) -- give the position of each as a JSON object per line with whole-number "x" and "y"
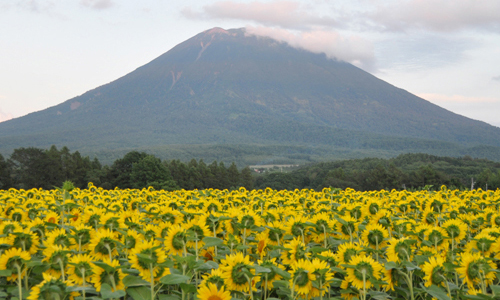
{"x": 484, "y": 244}
{"x": 83, "y": 267}
{"x": 373, "y": 209}
{"x": 363, "y": 268}
{"x": 214, "y": 297}
{"x": 356, "y": 213}
{"x": 348, "y": 229}
{"x": 178, "y": 240}
{"x": 473, "y": 271}
{"x": 436, "y": 237}
{"x": 375, "y": 237}
{"x": 301, "y": 277}
{"x": 237, "y": 275}
{"x": 453, "y": 230}
{"x": 437, "y": 276}
{"x": 297, "y": 229}
{"x": 23, "y": 240}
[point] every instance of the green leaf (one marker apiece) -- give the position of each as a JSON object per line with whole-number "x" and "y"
{"x": 107, "y": 293}
{"x": 437, "y": 292}
{"x": 139, "y": 293}
{"x": 174, "y": 279}
{"x": 131, "y": 280}
{"x": 188, "y": 288}
{"x": 104, "y": 266}
{"x": 391, "y": 265}
{"x": 379, "y": 295}
{"x": 495, "y": 289}
{"x": 259, "y": 269}
{"x": 5, "y": 273}
{"x": 209, "y": 265}
{"x": 280, "y": 272}
{"x": 168, "y": 297}
{"x": 212, "y": 242}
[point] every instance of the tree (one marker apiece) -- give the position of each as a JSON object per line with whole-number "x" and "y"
{"x": 5, "y": 174}
{"x": 29, "y": 168}
{"x": 149, "y": 171}
{"x": 119, "y": 175}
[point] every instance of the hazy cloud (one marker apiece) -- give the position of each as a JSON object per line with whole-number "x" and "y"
{"x": 5, "y": 116}
{"x": 438, "y": 15}
{"x": 352, "y": 49}
{"x": 437, "y": 98}
{"x": 285, "y": 14}
{"x": 496, "y": 78}
{"x": 36, "y": 6}
{"x": 97, "y": 4}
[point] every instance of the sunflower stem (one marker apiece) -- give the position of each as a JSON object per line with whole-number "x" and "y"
{"x": 83, "y": 283}
{"x": 152, "y": 281}
{"x": 364, "y": 283}
{"x": 249, "y": 286}
{"x": 19, "y": 286}
{"x": 61, "y": 265}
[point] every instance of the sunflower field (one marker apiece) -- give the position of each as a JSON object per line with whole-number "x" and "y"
{"x": 129, "y": 244}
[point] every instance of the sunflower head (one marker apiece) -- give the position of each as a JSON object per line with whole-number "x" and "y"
{"x": 213, "y": 292}
{"x": 434, "y": 271}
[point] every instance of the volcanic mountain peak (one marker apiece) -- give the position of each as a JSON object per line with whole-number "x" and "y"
{"x": 226, "y": 86}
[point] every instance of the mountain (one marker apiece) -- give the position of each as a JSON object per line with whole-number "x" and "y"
{"x": 225, "y": 87}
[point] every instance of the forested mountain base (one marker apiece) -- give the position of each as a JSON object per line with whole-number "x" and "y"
{"x": 38, "y": 168}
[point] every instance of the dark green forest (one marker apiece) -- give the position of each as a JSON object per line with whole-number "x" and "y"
{"x": 40, "y": 168}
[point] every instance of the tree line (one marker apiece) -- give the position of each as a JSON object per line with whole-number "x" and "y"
{"x": 38, "y": 168}
{"x": 406, "y": 171}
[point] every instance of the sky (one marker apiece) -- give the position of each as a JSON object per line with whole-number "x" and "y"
{"x": 445, "y": 51}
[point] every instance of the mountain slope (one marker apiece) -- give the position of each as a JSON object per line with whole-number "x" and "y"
{"x": 225, "y": 87}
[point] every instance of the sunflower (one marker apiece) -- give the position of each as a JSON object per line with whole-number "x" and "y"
{"x": 347, "y": 226}
{"x": 56, "y": 256}
{"x": 103, "y": 244}
{"x": 262, "y": 244}
{"x": 211, "y": 292}
{"x": 275, "y": 232}
{"x": 346, "y": 251}
{"x": 362, "y": 269}
{"x": 25, "y": 240}
{"x": 399, "y": 250}
{"x": 176, "y": 240}
{"x": 371, "y": 208}
{"x": 131, "y": 239}
{"x": 389, "y": 278}
{"x": 297, "y": 227}
{"x": 323, "y": 275}
{"x": 474, "y": 268}
{"x": 302, "y": 277}
{"x": 112, "y": 221}
{"x": 151, "y": 265}
{"x": 52, "y": 218}
{"x": 51, "y": 288}
{"x": 58, "y": 237}
{"x": 233, "y": 271}
{"x": 322, "y": 227}
{"x": 8, "y": 227}
{"x": 434, "y": 271}
{"x": 81, "y": 236}
{"x": 295, "y": 250}
{"x": 196, "y": 230}
{"x": 19, "y": 215}
{"x": 268, "y": 279}
{"x": 14, "y": 259}
{"x": 37, "y": 226}
{"x": 438, "y": 237}
{"x": 80, "y": 267}
{"x": 456, "y": 229}
{"x": 214, "y": 277}
{"x": 482, "y": 242}
{"x": 375, "y": 236}
{"x": 111, "y": 275}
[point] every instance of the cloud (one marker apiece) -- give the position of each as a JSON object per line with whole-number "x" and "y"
{"x": 37, "y": 6}
{"x": 436, "y": 15}
{"x": 496, "y": 78}
{"x": 352, "y": 49}
{"x": 5, "y": 116}
{"x": 441, "y": 98}
{"x": 284, "y": 14}
{"x": 97, "y": 4}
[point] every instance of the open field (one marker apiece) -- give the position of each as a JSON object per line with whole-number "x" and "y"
{"x": 260, "y": 244}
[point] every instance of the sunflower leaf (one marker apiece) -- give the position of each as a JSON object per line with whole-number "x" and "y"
{"x": 106, "y": 292}
{"x": 104, "y": 266}
{"x": 188, "y": 288}
{"x": 139, "y": 293}
{"x": 174, "y": 279}
{"x": 209, "y": 265}
{"x": 5, "y": 273}
{"x": 131, "y": 280}
{"x": 212, "y": 241}
{"x": 281, "y": 272}
{"x": 259, "y": 269}
{"x": 437, "y": 292}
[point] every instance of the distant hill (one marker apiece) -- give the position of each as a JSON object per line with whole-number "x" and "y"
{"x": 224, "y": 87}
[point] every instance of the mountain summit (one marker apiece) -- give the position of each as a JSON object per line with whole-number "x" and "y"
{"x": 228, "y": 87}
